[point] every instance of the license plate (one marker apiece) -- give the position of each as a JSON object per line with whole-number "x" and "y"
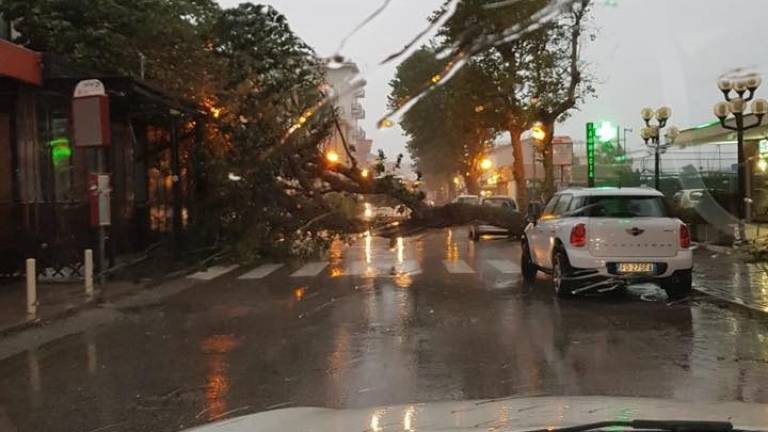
{"x": 635, "y": 268}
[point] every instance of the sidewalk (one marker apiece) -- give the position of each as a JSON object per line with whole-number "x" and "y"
{"x": 728, "y": 277}
{"x": 55, "y": 300}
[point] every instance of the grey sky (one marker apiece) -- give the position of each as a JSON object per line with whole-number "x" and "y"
{"x": 648, "y": 52}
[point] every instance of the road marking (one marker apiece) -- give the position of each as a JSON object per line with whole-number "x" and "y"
{"x": 381, "y": 268}
{"x": 261, "y": 271}
{"x": 310, "y": 269}
{"x": 408, "y": 266}
{"x": 457, "y": 266}
{"x": 505, "y": 266}
{"x": 212, "y": 272}
{"x": 358, "y": 268}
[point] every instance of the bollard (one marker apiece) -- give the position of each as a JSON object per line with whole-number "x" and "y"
{"x": 89, "y": 274}
{"x": 31, "y": 287}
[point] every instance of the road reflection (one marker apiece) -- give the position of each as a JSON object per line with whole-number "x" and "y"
{"x": 217, "y": 349}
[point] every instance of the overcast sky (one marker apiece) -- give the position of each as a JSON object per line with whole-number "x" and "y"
{"x": 648, "y": 52}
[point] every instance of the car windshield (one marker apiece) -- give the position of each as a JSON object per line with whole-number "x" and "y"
{"x": 621, "y": 206}
{"x": 382, "y": 215}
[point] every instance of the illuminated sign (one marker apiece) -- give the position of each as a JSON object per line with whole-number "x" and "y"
{"x": 591, "y": 154}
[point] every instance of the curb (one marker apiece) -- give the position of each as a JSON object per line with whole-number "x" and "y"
{"x": 41, "y": 322}
{"x": 738, "y": 304}
{"x": 726, "y": 250}
{"x": 97, "y": 302}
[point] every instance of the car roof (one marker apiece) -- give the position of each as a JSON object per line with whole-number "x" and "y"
{"x": 467, "y": 196}
{"x": 504, "y": 197}
{"x": 612, "y": 191}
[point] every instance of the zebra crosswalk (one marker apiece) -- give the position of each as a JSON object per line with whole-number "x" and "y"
{"x": 310, "y": 269}
{"x": 261, "y": 271}
{"x": 359, "y": 268}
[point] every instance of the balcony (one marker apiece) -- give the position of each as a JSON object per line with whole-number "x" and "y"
{"x": 357, "y": 111}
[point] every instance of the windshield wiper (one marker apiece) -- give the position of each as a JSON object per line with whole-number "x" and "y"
{"x": 651, "y": 425}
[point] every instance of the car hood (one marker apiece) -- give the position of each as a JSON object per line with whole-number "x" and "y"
{"x": 510, "y": 414}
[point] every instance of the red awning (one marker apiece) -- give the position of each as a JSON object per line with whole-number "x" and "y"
{"x": 20, "y": 63}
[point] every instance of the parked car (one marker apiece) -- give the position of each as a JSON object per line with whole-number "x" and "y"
{"x": 688, "y": 198}
{"x": 467, "y": 199}
{"x": 597, "y": 240}
{"x": 479, "y": 228}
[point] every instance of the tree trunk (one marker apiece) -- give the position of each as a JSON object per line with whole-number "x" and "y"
{"x": 473, "y": 183}
{"x": 548, "y": 154}
{"x": 518, "y": 166}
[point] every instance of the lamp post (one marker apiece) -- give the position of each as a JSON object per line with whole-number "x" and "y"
{"x": 737, "y": 92}
{"x": 652, "y": 133}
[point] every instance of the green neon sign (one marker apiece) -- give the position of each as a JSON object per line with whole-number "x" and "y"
{"x": 591, "y": 154}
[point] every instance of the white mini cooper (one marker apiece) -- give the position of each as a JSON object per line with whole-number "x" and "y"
{"x": 602, "y": 239}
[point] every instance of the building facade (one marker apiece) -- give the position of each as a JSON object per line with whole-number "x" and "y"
{"x": 348, "y": 91}
{"x": 45, "y": 198}
{"x": 499, "y": 180}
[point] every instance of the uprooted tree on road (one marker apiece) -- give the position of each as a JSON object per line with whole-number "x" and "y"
{"x": 269, "y": 190}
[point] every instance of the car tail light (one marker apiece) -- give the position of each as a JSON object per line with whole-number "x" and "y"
{"x": 685, "y": 237}
{"x": 579, "y": 235}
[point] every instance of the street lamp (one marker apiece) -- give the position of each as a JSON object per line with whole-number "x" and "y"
{"x": 652, "y": 133}
{"x": 486, "y": 164}
{"x": 332, "y": 156}
{"x": 736, "y": 104}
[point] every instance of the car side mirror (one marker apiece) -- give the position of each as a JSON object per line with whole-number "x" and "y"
{"x": 534, "y": 212}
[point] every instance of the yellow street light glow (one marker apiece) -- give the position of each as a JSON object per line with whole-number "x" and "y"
{"x": 538, "y": 133}
{"x": 436, "y": 79}
{"x": 456, "y": 180}
{"x": 762, "y": 164}
{"x": 386, "y": 124}
{"x": 486, "y": 164}
{"x": 332, "y": 156}
{"x": 364, "y": 173}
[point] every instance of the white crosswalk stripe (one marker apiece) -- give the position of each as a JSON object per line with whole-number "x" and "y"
{"x": 310, "y": 269}
{"x": 380, "y": 268}
{"x": 260, "y": 272}
{"x": 212, "y": 272}
{"x": 505, "y": 266}
{"x": 458, "y": 266}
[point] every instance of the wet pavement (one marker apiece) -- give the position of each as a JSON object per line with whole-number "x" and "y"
{"x": 431, "y": 318}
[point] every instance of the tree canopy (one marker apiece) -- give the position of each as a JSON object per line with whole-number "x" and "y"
{"x": 528, "y": 54}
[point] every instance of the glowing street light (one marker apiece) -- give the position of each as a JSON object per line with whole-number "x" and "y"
{"x": 538, "y": 133}
{"x": 332, "y": 157}
{"x": 365, "y": 173}
{"x": 486, "y": 164}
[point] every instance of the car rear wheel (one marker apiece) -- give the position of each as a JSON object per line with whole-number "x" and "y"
{"x": 679, "y": 285}
{"x": 561, "y": 269}
{"x": 475, "y": 234}
{"x": 527, "y": 266}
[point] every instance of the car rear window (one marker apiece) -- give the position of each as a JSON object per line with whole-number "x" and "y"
{"x": 499, "y": 202}
{"x": 624, "y": 206}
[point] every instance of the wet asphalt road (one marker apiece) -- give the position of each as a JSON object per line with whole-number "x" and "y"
{"x": 425, "y": 319}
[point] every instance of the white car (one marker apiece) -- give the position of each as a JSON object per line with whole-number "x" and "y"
{"x": 602, "y": 239}
{"x": 467, "y": 199}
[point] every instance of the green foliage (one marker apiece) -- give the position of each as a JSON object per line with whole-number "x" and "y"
{"x": 111, "y": 36}
{"x": 449, "y": 127}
